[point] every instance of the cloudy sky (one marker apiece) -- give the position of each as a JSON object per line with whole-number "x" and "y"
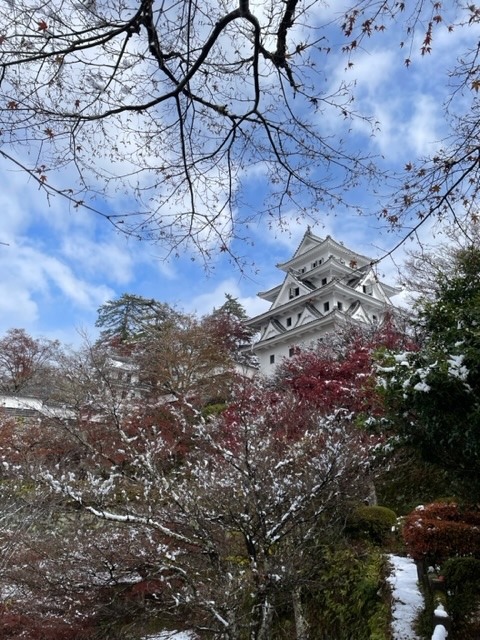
{"x": 59, "y": 264}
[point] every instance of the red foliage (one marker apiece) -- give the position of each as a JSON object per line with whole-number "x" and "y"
{"x": 282, "y": 414}
{"x": 120, "y": 346}
{"x": 227, "y": 331}
{"x": 339, "y": 373}
{"x": 30, "y": 627}
{"x": 439, "y": 531}
{"x": 331, "y": 382}
{"x": 35, "y": 441}
{"x": 22, "y": 358}
{"x": 145, "y": 589}
{"x": 150, "y": 425}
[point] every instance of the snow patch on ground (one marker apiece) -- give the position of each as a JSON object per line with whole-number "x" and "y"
{"x": 407, "y": 603}
{"x": 406, "y": 596}
{"x": 173, "y": 635}
{"x": 440, "y": 633}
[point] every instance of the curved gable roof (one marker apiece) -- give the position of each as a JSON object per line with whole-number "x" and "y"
{"x": 311, "y": 246}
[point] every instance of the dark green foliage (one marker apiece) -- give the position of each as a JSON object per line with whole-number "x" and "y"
{"x": 347, "y": 600}
{"x": 460, "y": 571}
{"x": 128, "y": 316}
{"x": 409, "y": 481}
{"x": 232, "y": 307}
{"x": 213, "y": 409}
{"x": 433, "y": 394}
{"x": 229, "y": 324}
{"x": 448, "y": 318}
{"x": 372, "y": 523}
{"x": 462, "y": 576}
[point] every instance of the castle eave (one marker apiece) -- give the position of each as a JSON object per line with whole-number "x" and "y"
{"x": 331, "y": 319}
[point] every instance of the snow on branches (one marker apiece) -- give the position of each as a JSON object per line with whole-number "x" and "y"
{"x": 222, "y": 530}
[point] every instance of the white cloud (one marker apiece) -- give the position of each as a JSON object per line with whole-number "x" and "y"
{"x": 408, "y": 103}
{"x": 17, "y": 198}
{"x": 39, "y": 288}
{"x": 71, "y": 258}
{"x": 409, "y": 116}
{"x": 424, "y": 128}
{"x": 371, "y": 70}
{"x": 16, "y": 302}
{"x": 204, "y": 303}
{"x": 75, "y": 289}
{"x": 30, "y": 270}
{"x": 111, "y": 260}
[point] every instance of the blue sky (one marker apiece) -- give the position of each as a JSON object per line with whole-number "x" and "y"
{"x": 59, "y": 264}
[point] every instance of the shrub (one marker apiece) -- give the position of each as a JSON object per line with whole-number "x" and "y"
{"x": 349, "y": 588}
{"x": 408, "y": 480}
{"x": 461, "y": 571}
{"x": 373, "y": 523}
{"x": 440, "y": 530}
{"x": 213, "y": 409}
{"x": 462, "y": 576}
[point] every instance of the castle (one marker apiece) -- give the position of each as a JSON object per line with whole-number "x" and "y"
{"x": 325, "y": 286}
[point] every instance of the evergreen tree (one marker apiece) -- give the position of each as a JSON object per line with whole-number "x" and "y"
{"x": 229, "y": 324}
{"x": 233, "y": 307}
{"x": 433, "y": 395}
{"x": 126, "y": 318}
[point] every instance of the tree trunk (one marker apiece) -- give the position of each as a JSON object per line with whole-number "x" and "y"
{"x": 264, "y": 632}
{"x": 371, "y": 499}
{"x": 301, "y": 624}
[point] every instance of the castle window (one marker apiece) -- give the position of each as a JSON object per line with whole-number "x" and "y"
{"x": 272, "y": 359}
{"x": 294, "y": 292}
{"x": 326, "y": 306}
{"x": 289, "y": 322}
{"x": 291, "y": 352}
{"x": 375, "y": 319}
{"x": 339, "y": 306}
{"x": 324, "y": 282}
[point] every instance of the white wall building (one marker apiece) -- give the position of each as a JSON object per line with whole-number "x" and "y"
{"x": 325, "y": 286}
{"x": 24, "y": 406}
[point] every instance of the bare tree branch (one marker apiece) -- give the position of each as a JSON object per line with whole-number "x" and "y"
{"x": 172, "y": 104}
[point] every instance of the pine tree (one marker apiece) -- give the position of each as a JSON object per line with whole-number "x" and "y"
{"x": 126, "y": 318}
